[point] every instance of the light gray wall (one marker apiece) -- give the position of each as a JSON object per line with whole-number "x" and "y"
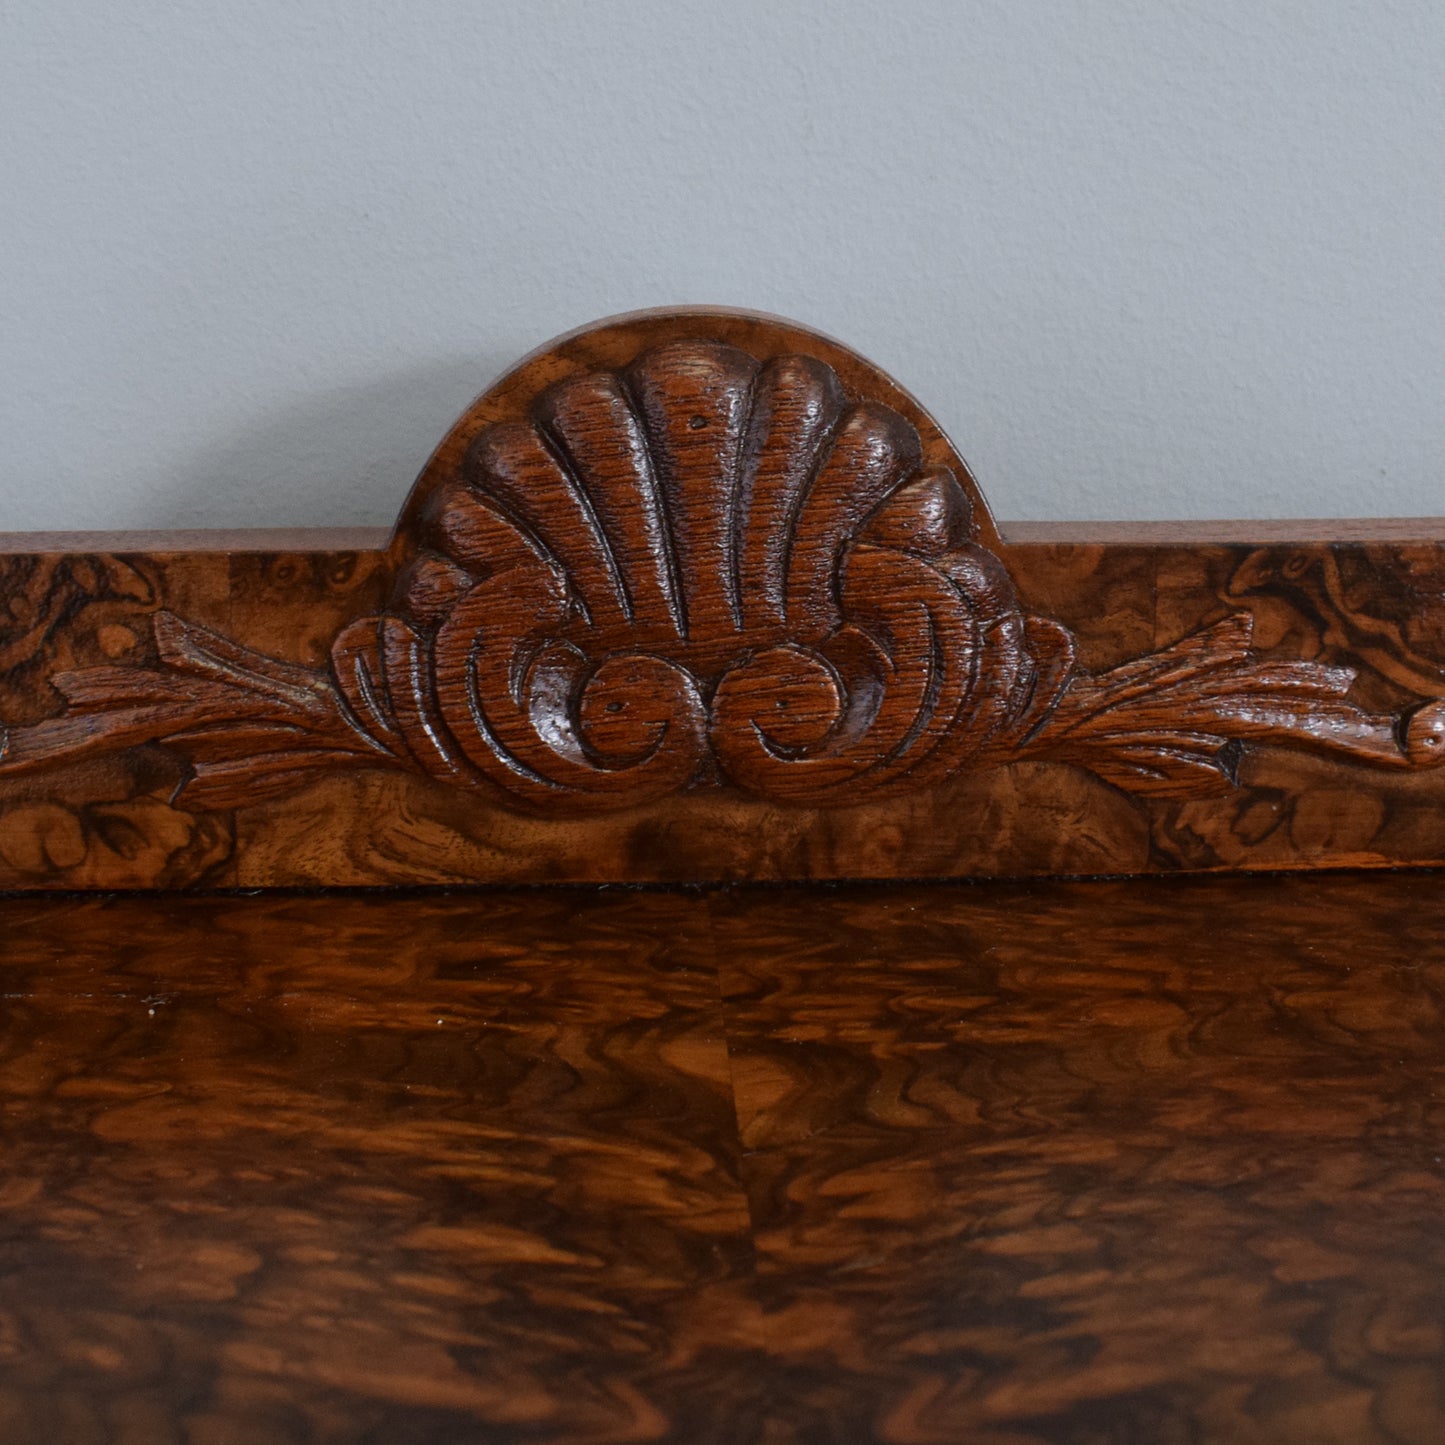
{"x": 1144, "y": 258}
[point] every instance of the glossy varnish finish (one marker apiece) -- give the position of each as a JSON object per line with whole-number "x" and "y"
{"x": 1152, "y": 1161}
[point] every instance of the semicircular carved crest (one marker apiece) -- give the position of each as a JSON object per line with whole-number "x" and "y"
{"x": 703, "y": 568}
{"x": 699, "y": 567}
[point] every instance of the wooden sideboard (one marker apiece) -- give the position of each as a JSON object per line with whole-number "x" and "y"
{"x": 990, "y": 987}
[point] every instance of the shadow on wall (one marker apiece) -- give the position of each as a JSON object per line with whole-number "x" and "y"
{"x": 344, "y": 457}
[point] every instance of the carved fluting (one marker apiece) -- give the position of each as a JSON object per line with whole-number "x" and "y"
{"x": 705, "y": 569}
{"x": 702, "y": 565}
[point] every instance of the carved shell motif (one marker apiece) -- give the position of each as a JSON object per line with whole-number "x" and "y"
{"x": 704, "y": 569}
{"x": 699, "y": 566}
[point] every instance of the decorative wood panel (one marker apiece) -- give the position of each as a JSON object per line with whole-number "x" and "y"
{"x": 703, "y": 595}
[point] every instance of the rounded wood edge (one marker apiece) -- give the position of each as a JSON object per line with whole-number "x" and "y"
{"x": 615, "y": 341}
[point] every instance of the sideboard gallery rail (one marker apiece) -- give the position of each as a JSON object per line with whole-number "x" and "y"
{"x": 702, "y": 595}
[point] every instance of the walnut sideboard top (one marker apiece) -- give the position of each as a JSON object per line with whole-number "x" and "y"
{"x": 704, "y": 596}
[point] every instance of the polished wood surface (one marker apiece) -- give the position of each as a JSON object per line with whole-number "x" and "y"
{"x": 1155, "y": 1161}
{"x": 701, "y": 596}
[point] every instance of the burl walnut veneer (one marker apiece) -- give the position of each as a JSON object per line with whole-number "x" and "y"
{"x": 702, "y": 599}
{"x": 704, "y": 596}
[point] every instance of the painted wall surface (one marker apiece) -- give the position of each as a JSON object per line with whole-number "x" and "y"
{"x": 1143, "y": 258}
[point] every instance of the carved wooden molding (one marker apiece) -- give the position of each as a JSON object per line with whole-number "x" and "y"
{"x": 699, "y": 552}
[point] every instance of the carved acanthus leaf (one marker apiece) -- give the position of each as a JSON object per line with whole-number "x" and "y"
{"x": 251, "y": 726}
{"x": 1172, "y": 723}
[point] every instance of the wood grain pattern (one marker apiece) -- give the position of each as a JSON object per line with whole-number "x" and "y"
{"x": 720, "y": 580}
{"x": 113, "y": 821}
{"x": 1024, "y": 1163}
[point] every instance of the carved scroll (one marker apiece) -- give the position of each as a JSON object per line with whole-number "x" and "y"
{"x": 705, "y": 569}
